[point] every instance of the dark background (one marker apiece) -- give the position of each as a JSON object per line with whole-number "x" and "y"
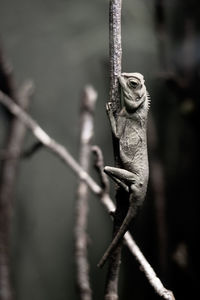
{"x": 62, "y": 46}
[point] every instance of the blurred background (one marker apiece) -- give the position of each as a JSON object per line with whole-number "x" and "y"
{"x": 62, "y": 46}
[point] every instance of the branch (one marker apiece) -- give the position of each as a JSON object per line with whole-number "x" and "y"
{"x": 48, "y": 142}
{"x": 32, "y": 150}
{"x": 7, "y": 184}
{"x": 66, "y": 157}
{"x": 7, "y": 85}
{"x": 111, "y": 289}
{"x": 81, "y": 213}
{"x": 27, "y": 153}
{"x": 147, "y": 269}
{"x": 115, "y": 50}
{"x": 158, "y": 187}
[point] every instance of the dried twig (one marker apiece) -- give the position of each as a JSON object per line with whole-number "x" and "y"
{"x": 32, "y": 150}
{"x": 65, "y": 156}
{"x": 48, "y": 142}
{"x": 86, "y": 133}
{"x": 147, "y": 269}
{"x": 7, "y": 182}
{"x": 27, "y": 153}
{"x": 111, "y": 289}
{"x": 115, "y": 50}
{"x": 8, "y": 87}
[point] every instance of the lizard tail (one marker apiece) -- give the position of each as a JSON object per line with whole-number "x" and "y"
{"x": 119, "y": 235}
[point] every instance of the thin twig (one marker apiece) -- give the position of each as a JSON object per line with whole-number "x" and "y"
{"x": 27, "y": 153}
{"x": 8, "y": 87}
{"x": 156, "y": 168}
{"x": 66, "y": 157}
{"x": 88, "y": 102}
{"x": 48, "y": 142}
{"x": 147, "y": 269}
{"x": 115, "y": 54}
{"x": 7, "y": 183}
{"x": 115, "y": 50}
{"x": 32, "y": 150}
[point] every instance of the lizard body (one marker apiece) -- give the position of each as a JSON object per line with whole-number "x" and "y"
{"x": 129, "y": 127}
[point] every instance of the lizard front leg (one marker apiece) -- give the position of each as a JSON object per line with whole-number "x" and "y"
{"x": 113, "y": 124}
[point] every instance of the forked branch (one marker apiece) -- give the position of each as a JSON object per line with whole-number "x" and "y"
{"x": 88, "y": 102}
{"x": 8, "y": 174}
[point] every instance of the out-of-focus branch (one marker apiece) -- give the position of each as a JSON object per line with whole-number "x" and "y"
{"x": 88, "y": 102}
{"x": 27, "y": 153}
{"x": 48, "y": 142}
{"x": 158, "y": 187}
{"x": 7, "y": 85}
{"x": 32, "y": 150}
{"x": 7, "y": 183}
{"x": 66, "y": 157}
{"x": 147, "y": 269}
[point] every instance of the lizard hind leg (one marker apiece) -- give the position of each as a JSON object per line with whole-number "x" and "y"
{"x": 122, "y": 177}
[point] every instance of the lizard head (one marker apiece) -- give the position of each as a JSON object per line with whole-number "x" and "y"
{"x": 134, "y": 92}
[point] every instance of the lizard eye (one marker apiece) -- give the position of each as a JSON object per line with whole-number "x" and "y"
{"x": 133, "y": 84}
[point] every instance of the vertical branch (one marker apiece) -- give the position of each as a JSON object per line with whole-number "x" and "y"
{"x": 115, "y": 50}
{"x": 115, "y": 55}
{"x": 7, "y": 183}
{"x": 86, "y": 134}
{"x": 7, "y": 86}
{"x": 157, "y": 172}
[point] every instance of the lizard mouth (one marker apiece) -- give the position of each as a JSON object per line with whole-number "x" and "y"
{"x": 138, "y": 98}
{"x": 132, "y": 98}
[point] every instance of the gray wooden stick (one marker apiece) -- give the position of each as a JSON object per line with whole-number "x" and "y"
{"x": 88, "y": 102}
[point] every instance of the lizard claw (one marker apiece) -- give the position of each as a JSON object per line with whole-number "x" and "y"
{"x": 109, "y": 106}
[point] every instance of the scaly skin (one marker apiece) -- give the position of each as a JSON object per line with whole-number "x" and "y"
{"x": 129, "y": 127}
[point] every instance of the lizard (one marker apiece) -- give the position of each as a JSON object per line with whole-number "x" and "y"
{"x": 129, "y": 128}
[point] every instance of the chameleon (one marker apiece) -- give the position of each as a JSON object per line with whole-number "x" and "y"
{"x": 129, "y": 127}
